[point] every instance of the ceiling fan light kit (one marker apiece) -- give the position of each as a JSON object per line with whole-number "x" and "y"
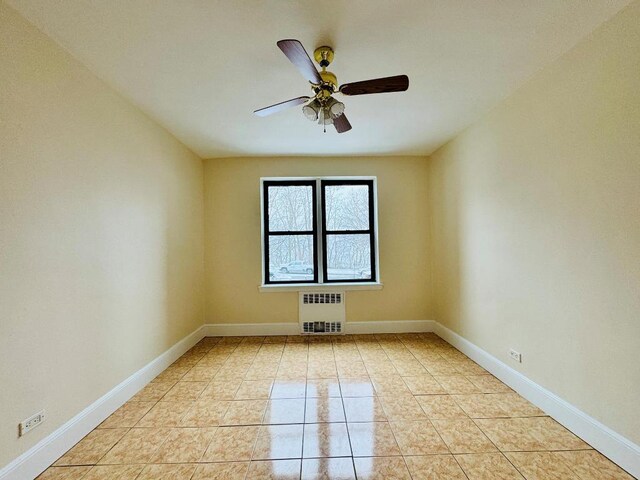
{"x": 323, "y": 107}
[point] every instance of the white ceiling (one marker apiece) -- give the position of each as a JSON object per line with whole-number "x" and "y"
{"x": 200, "y": 67}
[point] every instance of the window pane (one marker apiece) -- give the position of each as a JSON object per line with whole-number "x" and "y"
{"x": 291, "y": 258}
{"x": 348, "y": 257}
{"x": 347, "y": 207}
{"x": 290, "y": 208}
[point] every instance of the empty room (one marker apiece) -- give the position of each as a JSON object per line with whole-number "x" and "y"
{"x": 347, "y": 239}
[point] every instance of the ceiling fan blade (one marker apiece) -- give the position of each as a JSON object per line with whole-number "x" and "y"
{"x": 296, "y": 53}
{"x": 278, "y": 107}
{"x": 399, "y": 83}
{"x": 342, "y": 124}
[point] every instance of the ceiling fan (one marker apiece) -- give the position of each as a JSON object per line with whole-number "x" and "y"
{"x": 322, "y": 106}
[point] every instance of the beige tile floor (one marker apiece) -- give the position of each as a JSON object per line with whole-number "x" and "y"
{"x": 364, "y": 406}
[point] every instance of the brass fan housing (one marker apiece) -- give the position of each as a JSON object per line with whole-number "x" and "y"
{"x": 328, "y": 77}
{"x": 323, "y": 55}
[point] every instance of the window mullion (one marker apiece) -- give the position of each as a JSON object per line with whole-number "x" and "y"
{"x": 293, "y": 232}
{"x": 319, "y": 213}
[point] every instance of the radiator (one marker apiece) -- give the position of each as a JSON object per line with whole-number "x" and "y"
{"x": 321, "y": 313}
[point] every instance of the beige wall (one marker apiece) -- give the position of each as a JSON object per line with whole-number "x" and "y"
{"x": 232, "y": 232}
{"x": 536, "y": 221}
{"x": 100, "y": 236}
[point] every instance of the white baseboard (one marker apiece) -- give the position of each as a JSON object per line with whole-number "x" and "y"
{"x": 250, "y": 329}
{"x": 390, "y": 326}
{"x": 291, "y": 328}
{"x": 35, "y": 460}
{"x": 613, "y": 445}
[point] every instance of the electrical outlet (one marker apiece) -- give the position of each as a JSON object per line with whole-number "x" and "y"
{"x": 32, "y": 422}
{"x": 517, "y": 356}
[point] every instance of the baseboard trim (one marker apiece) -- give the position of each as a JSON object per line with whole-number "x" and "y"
{"x": 613, "y": 445}
{"x": 250, "y": 329}
{"x": 390, "y": 326}
{"x": 35, "y": 460}
{"x": 291, "y": 328}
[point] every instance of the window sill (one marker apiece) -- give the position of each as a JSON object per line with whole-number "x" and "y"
{"x": 314, "y": 287}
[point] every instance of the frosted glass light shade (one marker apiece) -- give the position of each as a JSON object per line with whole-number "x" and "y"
{"x": 311, "y": 110}
{"x": 336, "y": 108}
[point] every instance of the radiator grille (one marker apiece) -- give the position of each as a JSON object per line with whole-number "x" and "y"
{"x": 321, "y": 327}
{"x": 333, "y": 298}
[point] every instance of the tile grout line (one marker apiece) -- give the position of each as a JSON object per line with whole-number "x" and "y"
{"x": 487, "y": 437}
{"x": 449, "y": 449}
{"x": 304, "y": 416}
{"x": 346, "y": 424}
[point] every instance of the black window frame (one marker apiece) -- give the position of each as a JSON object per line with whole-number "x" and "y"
{"x": 371, "y": 231}
{"x": 319, "y": 231}
{"x": 267, "y": 233}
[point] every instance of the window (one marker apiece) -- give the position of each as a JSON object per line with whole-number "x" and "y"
{"x": 290, "y": 231}
{"x": 348, "y": 241}
{"x": 319, "y": 230}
